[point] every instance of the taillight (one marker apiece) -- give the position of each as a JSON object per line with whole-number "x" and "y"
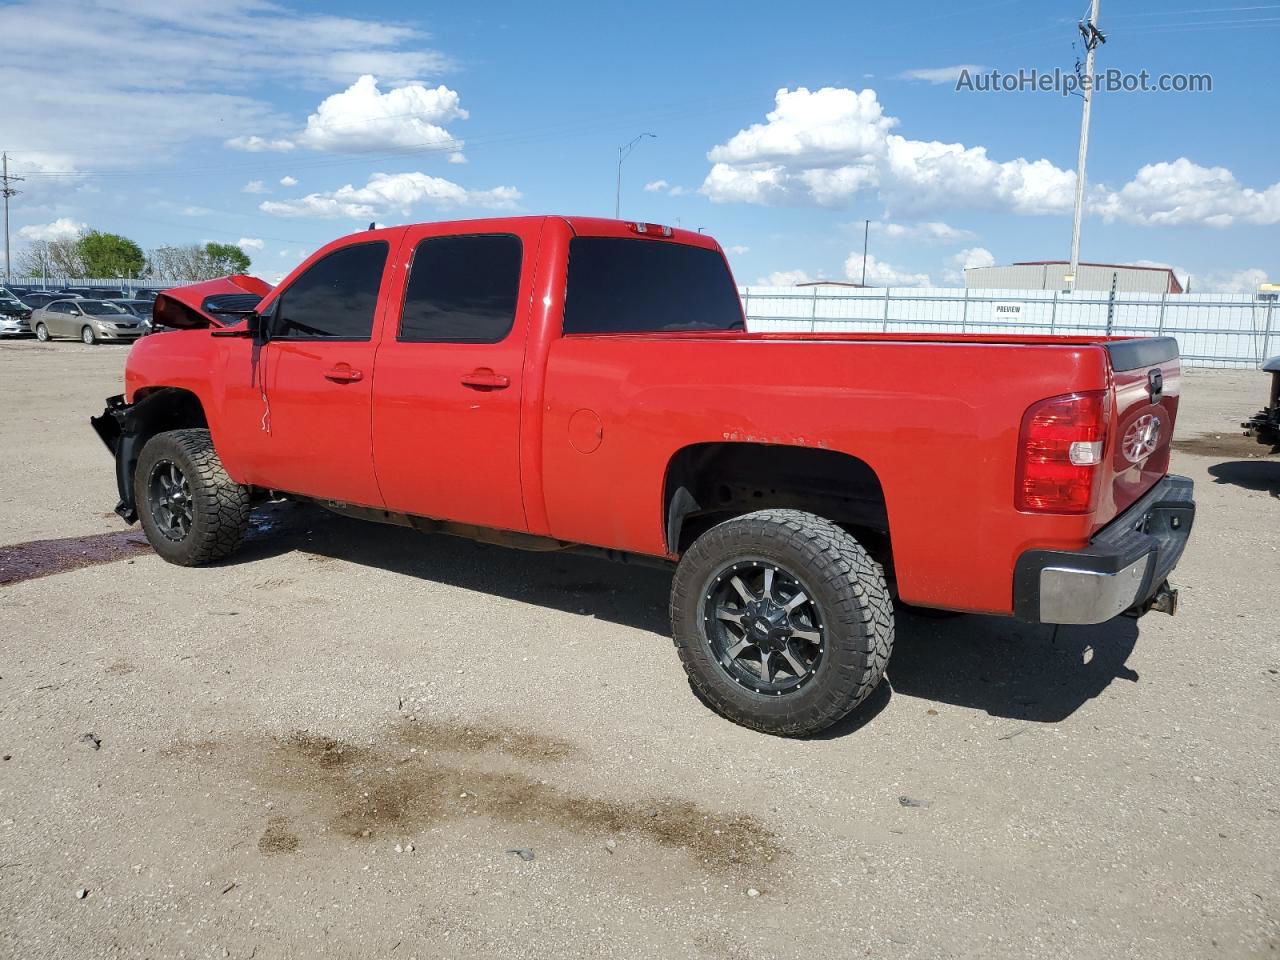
{"x": 1060, "y": 452}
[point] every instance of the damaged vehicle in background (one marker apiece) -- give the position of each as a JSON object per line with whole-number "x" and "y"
{"x": 15, "y": 316}
{"x": 1264, "y": 426}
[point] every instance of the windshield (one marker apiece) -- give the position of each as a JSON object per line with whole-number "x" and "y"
{"x": 98, "y": 308}
{"x": 7, "y": 296}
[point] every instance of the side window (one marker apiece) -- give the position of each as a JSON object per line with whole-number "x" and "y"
{"x": 462, "y": 289}
{"x": 335, "y": 298}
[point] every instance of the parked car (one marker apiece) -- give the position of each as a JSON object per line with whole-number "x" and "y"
{"x": 107, "y": 293}
{"x": 145, "y": 293}
{"x": 15, "y": 316}
{"x": 89, "y": 320}
{"x": 82, "y": 292}
{"x": 140, "y": 309}
{"x": 38, "y": 299}
{"x": 1264, "y": 426}
{"x": 561, "y": 383}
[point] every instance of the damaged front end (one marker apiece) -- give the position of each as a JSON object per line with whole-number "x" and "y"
{"x": 1264, "y": 426}
{"x": 113, "y": 428}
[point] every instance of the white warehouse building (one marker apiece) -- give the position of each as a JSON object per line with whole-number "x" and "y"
{"x": 1051, "y": 275}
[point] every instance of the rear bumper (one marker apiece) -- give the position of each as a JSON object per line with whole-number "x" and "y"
{"x": 1124, "y": 569}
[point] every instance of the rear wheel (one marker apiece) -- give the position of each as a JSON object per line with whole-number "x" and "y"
{"x": 88, "y": 336}
{"x": 192, "y": 512}
{"x": 42, "y": 332}
{"x": 782, "y": 620}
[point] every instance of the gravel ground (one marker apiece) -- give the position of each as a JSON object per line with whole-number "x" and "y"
{"x": 348, "y": 741}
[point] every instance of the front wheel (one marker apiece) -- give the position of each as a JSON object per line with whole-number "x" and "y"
{"x": 42, "y": 333}
{"x": 782, "y": 620}
{"x": 191, "y": 510}
{"x": 88, "y": 336}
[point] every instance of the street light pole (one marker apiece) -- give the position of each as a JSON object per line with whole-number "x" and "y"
{"x": 623, "y": 152}
{"x": 866, "y": 229}
{"x": 1092, "y": 39}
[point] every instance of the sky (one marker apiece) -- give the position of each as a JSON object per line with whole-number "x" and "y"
{"x": 777, "y": 128}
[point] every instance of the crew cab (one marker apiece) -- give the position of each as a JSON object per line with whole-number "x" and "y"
{"x": 560, "y": 383}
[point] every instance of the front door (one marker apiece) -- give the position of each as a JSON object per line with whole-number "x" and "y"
{"x": 446, "y": 402}
{"x": 318, "y": 378}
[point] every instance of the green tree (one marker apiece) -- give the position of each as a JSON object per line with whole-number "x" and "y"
{"x": 109, "y": 255}
{"x": 227, "y": 258}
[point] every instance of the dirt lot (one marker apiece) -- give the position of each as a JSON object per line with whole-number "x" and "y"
{"x": 341, "y": 743}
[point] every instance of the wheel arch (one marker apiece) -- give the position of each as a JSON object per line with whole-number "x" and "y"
{"x": 707, "y": 483}
{"x": 154, "y": 410}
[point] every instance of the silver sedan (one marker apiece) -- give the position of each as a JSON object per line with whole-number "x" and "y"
{"x": 91, "y": 321}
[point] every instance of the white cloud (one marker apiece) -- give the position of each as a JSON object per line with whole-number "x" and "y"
{"x": 958, "y": 263}
{"x": 1230, "y": 281}
{"x": 784, "y": 278}
{"x": 250, "y": 243}
{"x": 662, "y": 186}
{"x": 362, "y": 118}
{"x": 194, "y": 211}
{"x": 824, "y": 147}
{"x": 391, "y": 194}
{"x": 1168, "y": 194}
{"x": 738, "y": 249}
{"x": 255, "y": 144}
{"x": 941, "y": 75}
{"x": 197, "y": 83}
{"x": 932, "y": 231}
{"x": 64, "y": 228}
{"x": 254, "y": 186}
{"x": 881, "y": 274}
{"x": 288, "y": 181}
{"x": 457, "y": 157}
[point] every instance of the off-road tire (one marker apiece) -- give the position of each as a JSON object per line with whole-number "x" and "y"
{"x": 850, "y": 589}
{"x": 220, "y": 506}
{"x": 87, "y": 336}
{"x": 42, "y": 333}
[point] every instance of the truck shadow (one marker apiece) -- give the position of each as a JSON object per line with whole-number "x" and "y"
{"x": 1007, "y": 668}
{"x": 1000, "y": 666}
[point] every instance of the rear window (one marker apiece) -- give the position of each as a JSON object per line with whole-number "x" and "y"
{"x": 462, "y": 289}
{"x": 620, "y": 285}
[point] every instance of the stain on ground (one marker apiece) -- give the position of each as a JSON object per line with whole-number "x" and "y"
{"x": 425, "y": 773}
{"x": 41, "y": 558}
{"x": 1221, "y": 445}
{"x": 277, "y": 838}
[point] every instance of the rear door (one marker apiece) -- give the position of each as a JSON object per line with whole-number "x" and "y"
{"x": 446, "y": 398}
{"x": 318, "y": 378}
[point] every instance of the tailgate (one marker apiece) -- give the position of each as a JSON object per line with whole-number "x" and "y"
{"x": 1147, "y": 385}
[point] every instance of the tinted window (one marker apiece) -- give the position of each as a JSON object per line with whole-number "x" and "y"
{"x": 462, "y": 289}
{"x": 335, "y": 297}
{"x": 624, "y": 286}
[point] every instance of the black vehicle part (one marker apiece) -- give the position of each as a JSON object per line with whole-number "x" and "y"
{"x": 803, "y": 635}
{"x": 125, "y": 428}
{"x": 1264, "y": 426}
{"x": 192, "y": 512}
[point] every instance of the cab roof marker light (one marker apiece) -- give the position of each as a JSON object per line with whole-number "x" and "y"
{"x": 655, "y": 229}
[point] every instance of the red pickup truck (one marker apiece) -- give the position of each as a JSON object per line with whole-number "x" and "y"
{"x": 573, "y": 383}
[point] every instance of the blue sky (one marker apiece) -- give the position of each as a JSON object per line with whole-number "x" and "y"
{"x": 780, "y": 127}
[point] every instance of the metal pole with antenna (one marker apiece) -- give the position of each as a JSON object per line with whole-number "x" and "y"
{"x": 1092, "y": 38}
{"x": 623, "y": 152}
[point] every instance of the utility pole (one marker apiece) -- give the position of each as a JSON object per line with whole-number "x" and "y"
{"x": 624, "y": 151}
{"x": 6, "y": 191}
{"x": 866, "y": 229}
{"x": 1093, "y": 38}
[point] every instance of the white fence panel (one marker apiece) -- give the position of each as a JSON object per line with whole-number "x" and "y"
{"x": 1219, "y": 329}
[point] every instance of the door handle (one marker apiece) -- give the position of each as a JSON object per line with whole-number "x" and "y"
{"x": 343, "y": 373}
{"x": 485, "y": 379}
